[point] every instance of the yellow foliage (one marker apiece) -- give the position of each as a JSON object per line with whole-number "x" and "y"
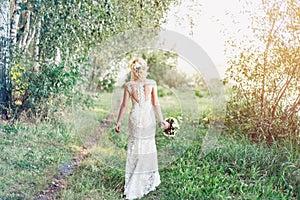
{"x": 18, "y": 102}
{"x": 75, "y": 148}
{"x": 19, "y": 82}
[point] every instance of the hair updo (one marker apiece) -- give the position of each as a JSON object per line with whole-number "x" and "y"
{"x": 139, "y": 69}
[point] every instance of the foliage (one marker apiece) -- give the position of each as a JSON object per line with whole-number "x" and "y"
{"x": 198, "y": 93}
{"x": 265, "y": 100}
{"x": 55, "y": 38}
{"x": 159, "y": 66}
{"x": 45, "y": 92}
{"x": 163, "y": 69}
{"x": 198, "y": 81}
{"x": 161, "y": 91}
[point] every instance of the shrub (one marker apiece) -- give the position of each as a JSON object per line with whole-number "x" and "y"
{"x": 198, "y": 93}
{"x": 161, "y": 91}
{"x": 45, "y": 92}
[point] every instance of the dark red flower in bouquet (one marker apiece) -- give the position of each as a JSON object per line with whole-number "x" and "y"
{"x": 174, "y": 127}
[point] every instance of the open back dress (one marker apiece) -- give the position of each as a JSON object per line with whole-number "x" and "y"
{"x": 141, "y": 175}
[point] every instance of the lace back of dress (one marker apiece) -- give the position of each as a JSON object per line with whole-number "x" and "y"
{"x": 141, "y": 93}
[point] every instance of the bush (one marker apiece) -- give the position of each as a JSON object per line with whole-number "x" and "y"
{"x": 265, "y": 96}
{"x": 45, "y": 92}
{"x": 161, "y": 91}
{"x": 243, "y": 117}
{"x": 198, "y": 93}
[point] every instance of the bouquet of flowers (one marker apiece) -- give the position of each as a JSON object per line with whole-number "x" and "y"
{"x": 174, "y": 127}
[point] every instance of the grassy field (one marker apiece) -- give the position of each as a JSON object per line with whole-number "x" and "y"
{"x": 30, "y": 155}
{"x": 237, "y": 169}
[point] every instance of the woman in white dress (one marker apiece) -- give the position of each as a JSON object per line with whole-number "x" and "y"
{"x": 141, "y": 174}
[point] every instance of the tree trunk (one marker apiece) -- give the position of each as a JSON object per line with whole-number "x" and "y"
{"x": 32, "y": 34}
{"x": 15, "y": 22}
{"x": 23, "y": 41}
{"x": 37, "y": 46}
{"x": 57, "y": 59}
{"x": 5, "y": 53}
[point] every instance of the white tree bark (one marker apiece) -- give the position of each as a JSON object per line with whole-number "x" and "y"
{"x": 32, "y": 34}
{"x": 57, "y": 59}
{"x": 4, "y": 53}
{"x": 24, "y": 39}
{"x": 36, "y": 46}
{"x": 15, "y": 22}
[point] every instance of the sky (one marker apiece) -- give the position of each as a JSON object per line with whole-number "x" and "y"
{"x": 214, "y": 21}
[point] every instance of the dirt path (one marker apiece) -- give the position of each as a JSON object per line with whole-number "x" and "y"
{"x": 66, "y": 170}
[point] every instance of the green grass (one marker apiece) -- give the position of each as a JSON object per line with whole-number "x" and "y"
{"x": 32, "y": 153}
{"x": 29, "y": 157}
{"x": 237, "y": 169}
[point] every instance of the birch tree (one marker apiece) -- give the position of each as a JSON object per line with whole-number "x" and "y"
{"x": 4, "y": 52}
{"x": 54, "y": 39}
{"x": 15, "y": 21}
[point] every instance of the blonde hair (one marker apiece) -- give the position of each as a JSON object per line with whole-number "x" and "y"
{"x": 139, "y": 69}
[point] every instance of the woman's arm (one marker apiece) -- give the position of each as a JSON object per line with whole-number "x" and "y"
{"x": 122, "y": 109}
{"x": 157, "y": 109}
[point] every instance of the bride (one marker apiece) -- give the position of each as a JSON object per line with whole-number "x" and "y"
{"x": 141, "y": 173}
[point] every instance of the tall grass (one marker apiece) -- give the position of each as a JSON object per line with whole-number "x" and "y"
{"x": 237, "y": 169}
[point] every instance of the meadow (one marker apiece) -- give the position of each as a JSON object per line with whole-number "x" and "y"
{"x": 60, "y": 62}
{"x": 32, "y": 154}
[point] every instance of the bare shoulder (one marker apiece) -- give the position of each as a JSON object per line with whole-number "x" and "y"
{"x": 128, "y": 83}
{"x": 128, "y": 86}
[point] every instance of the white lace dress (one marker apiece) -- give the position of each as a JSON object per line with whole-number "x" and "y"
{"x": 141, "y": 174}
